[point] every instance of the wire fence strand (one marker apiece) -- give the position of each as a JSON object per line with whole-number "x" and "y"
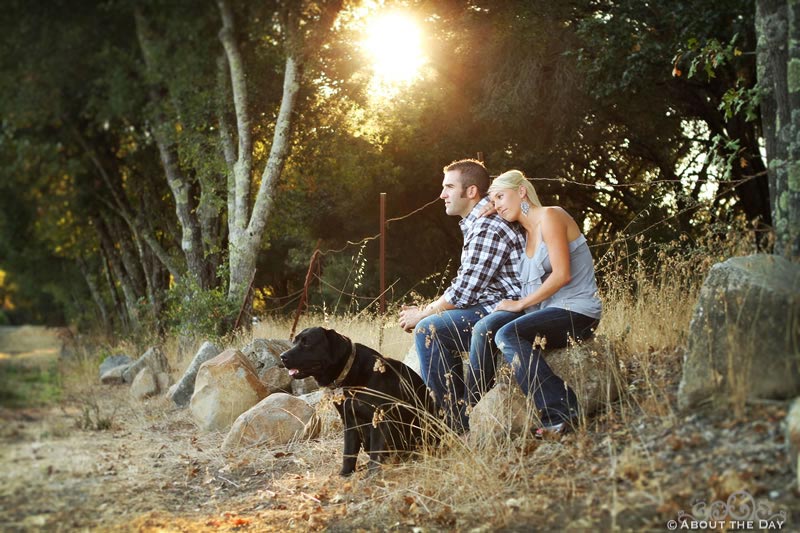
{"x": 730, "y": 188}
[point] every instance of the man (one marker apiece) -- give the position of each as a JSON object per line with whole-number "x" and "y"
{"x": 486, "y": 276}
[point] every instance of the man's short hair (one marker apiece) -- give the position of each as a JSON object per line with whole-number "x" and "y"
{"x": 472, "y": 172}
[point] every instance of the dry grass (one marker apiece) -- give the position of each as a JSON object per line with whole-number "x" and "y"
{"x": 606, "y": 476}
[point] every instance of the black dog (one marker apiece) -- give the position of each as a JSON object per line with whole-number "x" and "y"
{"x": 384, "y": 400}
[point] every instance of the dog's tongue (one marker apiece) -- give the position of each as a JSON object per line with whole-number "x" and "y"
{"x": 293, "y": 371}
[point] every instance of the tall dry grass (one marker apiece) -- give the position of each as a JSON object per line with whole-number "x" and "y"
{"x": 648, "y": 291}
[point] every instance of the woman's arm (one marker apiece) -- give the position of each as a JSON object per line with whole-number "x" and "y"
{"x": 554, "y": 234}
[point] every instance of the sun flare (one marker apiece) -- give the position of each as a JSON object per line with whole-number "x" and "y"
{"x": 394, "y": 46}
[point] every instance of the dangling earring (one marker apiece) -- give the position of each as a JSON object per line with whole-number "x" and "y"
{"x": 525, "y": 206}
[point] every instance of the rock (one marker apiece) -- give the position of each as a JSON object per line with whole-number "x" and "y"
{"x": 276, "y": 379}
{"x": 314, "y": 398}
{"x": 412, "y": 359}
{"x": 113, "y": 361}
{"x": 304, "y": 386}
{"x": 265, "y": 353}
{"x": 328, "y": 419}
{"x": 163, "y": 380}
{"x": 181, "y": 393}
{"x": 279, "y": 418}
{"x": 591, "y": 369}
{"x": 226, "y": 386}
{"x": 153, "y": 358}
{"x": 144, "y": 384}
{"x": 114, "y": 376}
{"x": 744, "y": 333}
{"x": 501, "y": 413}
{"x": 793, "y": 437}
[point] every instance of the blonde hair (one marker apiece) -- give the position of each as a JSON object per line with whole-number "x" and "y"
{"x": 513, "y": 179}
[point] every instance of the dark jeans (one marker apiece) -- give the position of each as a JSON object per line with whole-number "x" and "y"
{"x": 440, "y": 340}
{"x": 515, "y": 334}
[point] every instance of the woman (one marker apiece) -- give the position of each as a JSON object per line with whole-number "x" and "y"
{"x": 559, "y": 301}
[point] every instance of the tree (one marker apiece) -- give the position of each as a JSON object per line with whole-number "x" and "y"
{"x": 778, "y": 27}
{"x": 304, "y": 27}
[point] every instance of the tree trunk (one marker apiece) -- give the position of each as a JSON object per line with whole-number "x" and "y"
{"x": 129, "y": 255}
{"x": 245, "y": 231}
{"x": 245, "y": 243}
{"x": 97, "y": 295}
{"x": 191, "y": 241}
{"x": 778, "y": 60}
{"x": 119, "y": 273}
{"x": 135, "y": 221}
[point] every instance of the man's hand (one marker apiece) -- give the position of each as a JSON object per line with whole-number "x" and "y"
{"x": 410, "y": 317}
{"x": 487, "y": 210}
{"x": 515, "y": 306}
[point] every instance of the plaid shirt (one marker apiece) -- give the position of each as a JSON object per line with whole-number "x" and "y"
{"x": 489, "y": 258}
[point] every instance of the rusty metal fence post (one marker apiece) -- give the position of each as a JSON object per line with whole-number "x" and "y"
{"x": 383, "y": 254}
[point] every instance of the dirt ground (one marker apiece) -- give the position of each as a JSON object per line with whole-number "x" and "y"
{"x": 634, "y": 468}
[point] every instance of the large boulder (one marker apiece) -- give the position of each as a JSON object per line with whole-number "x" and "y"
{"x": 276, "y": 379}
{"x": 279, "y": 418}
{"x": 744, "y": 333}
{"x": 265, "y": 354}
{"x": 323, "y": 402}
{"x": 226, "y": 386}
{"x": 153, "y": 358}
{"x": 591, "y": 368}
{"x": 114, "y": 375}
{"x": 304, "y": 386}
{"x": 412, "y": 359}
{"x": 114, "y": 361}
{"x": 182, "y": 391}
{"x": 145, "y": 384}
{"x": 503, "y": 412}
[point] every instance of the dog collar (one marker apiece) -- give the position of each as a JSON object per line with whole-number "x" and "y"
{"x": 343, "y": 374}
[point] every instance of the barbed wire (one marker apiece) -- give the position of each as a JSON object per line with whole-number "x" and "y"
{"x": 625, "y": 238}
{"x": 648, "y": 183}
{"x": 353, "y": 295}
{"x": 696, "y": 205}
{"x": 377, "y": 235}
{"x": 292, "y": 298}
{"x": 732, "y": 185}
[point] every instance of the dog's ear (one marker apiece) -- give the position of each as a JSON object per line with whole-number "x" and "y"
{"x": 337, "y": 342}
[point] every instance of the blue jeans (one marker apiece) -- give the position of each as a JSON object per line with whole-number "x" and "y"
{"x": 440, "y": 340}
{"x": 480, "y": 376}
{"x": 515, "y": 335}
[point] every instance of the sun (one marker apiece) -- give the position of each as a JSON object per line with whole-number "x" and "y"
{"x": 394, "y": 46}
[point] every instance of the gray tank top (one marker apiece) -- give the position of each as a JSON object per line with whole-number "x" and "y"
{"x": 579, "y": 295}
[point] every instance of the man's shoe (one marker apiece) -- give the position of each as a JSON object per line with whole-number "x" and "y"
{"x": 555, "y": 429}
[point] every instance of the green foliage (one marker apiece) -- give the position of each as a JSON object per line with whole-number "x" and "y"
{"x": 196, "y": 312}
{"x": 713, "y": 56}
{"x": 579, "y": 95}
